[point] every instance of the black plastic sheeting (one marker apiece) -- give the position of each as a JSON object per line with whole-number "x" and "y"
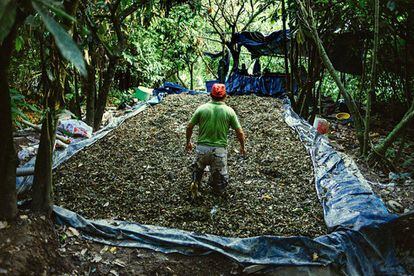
{"x": 272, "y": 85}
{"x": 358, "y": 243}
{"x": 344, "y": 49}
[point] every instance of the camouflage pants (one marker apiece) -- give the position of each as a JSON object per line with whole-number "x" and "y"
{"x": 216, "y": 158}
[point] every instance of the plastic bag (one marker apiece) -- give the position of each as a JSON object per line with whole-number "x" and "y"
{"x": 75, "y": 128}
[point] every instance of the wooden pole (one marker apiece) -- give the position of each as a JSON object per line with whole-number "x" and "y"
{"x": 288, "y": 87}
{"x": 371, "y": 92}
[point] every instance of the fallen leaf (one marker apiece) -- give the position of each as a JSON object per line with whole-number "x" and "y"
{"x": 74, "y": 231}
{"x": 104, "y": 249}
{"x": 96, "y": 259}
{"x": 119, "y": 263}
{"x": 3, "y": 224}
{"x": 266, "y": 197}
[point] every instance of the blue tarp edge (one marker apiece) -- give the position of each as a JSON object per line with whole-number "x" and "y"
{"x": 24, "y": 183}
{"x": 358, "y": 243}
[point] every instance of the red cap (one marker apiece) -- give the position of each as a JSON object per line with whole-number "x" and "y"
{"x": 218, "y": 91}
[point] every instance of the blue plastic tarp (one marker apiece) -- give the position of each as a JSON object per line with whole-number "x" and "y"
{"x": 259, "y": 44}
{"x": 24, "y": 183}
{"x": 347, "y": 199}
{"x": 359, "y": 242}
{"x": 365, "y": 252}
{"x": 172, "y": 88}
{"x": 274, "y": 85}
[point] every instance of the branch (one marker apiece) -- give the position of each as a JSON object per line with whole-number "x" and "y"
{"x": 253, "y": 17}
{"x": 238, "y": 14}
{"x": 94, "y": 31}
{"x": 130, "y": 10}
{"x": 113, "y": 8}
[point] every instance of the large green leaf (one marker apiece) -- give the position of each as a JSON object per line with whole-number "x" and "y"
{"x": 65, "y": 43}
{"x": 7, "y": 17}
{"x": 54, "y": 7}
{"x": 18, "y": 44}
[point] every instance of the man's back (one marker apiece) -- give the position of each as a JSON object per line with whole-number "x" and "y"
{"x": 214, "y": 120}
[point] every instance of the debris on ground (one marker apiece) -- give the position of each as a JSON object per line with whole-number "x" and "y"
{"x": 34, "y": 246}
{"x": 29, "y": 246}
{"x": 140, "y": 173}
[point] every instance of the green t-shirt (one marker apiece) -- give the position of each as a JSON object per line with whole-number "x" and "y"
{"x": 214, "y": 120}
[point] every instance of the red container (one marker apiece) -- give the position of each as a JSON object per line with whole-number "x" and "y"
{"x": 321, "y": 125}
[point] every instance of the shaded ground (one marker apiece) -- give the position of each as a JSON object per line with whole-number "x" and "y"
{"x": 140, "y": 173}
{"x": 29, "y": 246}
{"x": 33, "y": 246}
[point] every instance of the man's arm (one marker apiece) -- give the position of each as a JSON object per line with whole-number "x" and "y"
{"x": 188, "y": 134}
{"x": 242, "y": 139}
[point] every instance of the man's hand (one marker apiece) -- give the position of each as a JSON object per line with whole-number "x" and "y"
{"x": 188, "y": 134}
{"x": 189, "y": 147}
{"x": 241, "y": 138}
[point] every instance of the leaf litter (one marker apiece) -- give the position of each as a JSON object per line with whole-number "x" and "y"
{"x": 140, "y": 172}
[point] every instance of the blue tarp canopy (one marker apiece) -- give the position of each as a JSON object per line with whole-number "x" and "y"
{"x": 265, "y": 85}
{"x": 344, "y": 49}
{"x": 259, "y": 44}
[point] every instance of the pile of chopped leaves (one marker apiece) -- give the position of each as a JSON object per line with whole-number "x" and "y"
{"x": 140, "y": 172}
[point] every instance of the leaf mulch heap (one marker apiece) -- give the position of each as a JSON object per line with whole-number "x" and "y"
{"x": 139, "y": 172}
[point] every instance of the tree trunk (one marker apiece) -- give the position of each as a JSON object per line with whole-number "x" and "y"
{"x": 8, "y": 197}
{"x": 103, "y": 94}
{"x": 89, "y": 88}
{"x": 371, "y": 93}
{"x": 78, "y": 110}
{"x": 293, "y": 72}
{"x": 288, "y": 86}
{"x": 395, "y": 133}
{"x": 328, "y": 64}
{"x": 191, "y": 76}
{"x": 42, "y": 182}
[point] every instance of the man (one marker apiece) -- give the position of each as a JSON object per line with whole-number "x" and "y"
{"x": 243, "y": 71}
{"x": 214, "y": 120}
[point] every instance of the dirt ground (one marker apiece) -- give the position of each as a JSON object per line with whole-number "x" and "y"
{"x": 32, "y": 245}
